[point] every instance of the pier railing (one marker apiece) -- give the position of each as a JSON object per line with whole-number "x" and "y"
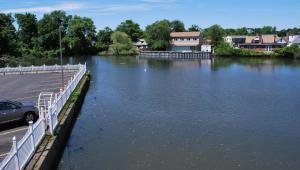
{"x": 22, "y": 150}
{"x": 174, "y": 55}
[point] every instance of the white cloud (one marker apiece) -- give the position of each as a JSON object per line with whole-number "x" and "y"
{"x": 43, "y": 9}
{"x": 123, "y": 8}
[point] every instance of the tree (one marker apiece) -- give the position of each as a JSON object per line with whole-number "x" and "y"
{"x": 103, "y": 39}
{"x": 158, "y": 35}
{"x": 48, "y": 28}
{"x": 8, "y": 41}
{"x": 194, "y": 28}
{"x": 28, "y": 29}
{"x": 121, "y": 44}
{"x": 215, "y": 33}
{"x": 81, "y": 34}
{"x": 241, "y": 31}
{"x": 131, "y": 28}
{"x": 177, "y": 26}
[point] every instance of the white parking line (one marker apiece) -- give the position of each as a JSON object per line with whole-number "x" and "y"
{"x": 13, "y": 131}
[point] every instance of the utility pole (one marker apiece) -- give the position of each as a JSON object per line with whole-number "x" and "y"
{"x": 61, "y": 60}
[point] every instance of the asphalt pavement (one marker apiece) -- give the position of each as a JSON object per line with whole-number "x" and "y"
{"x": 25, "y": 87}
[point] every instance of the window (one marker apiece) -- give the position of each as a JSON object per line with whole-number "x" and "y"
{"x": 2, "y": 106}
{"x": 189, "y": 39}
{"x": 9, "y": 106}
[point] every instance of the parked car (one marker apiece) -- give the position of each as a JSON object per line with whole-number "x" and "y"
{"x": 15, "y": 111}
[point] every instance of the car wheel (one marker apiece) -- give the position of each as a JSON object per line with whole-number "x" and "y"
{"x": 30, "y": 116}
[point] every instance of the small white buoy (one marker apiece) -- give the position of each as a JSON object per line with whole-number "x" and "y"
{"x": 145, "y": 70}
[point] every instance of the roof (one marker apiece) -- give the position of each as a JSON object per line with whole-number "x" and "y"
{"x": 266, "y": 39}
{"x": 141, "y": 42}
{"x": 185, "y": 34}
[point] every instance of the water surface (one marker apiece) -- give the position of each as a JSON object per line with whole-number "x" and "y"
{"x": 222, "y": 114}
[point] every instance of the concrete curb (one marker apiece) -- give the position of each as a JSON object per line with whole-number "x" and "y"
{"x": 48, "y": 154}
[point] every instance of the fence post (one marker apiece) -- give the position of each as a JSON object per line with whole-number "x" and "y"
{"x": 31, "y": 133}
{"x": 50, "y": 119}
{"x": 15, "y": 148}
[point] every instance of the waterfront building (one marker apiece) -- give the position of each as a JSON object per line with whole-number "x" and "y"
{"x": 186, "y": 41}
{"x": 293, "y": 39}
{"x": 266, "y": 42}
{"x": 141, "y": 44}
{"x": 235, "y": 40}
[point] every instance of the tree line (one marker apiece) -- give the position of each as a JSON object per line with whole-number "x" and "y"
{"x": 24, "y": 36}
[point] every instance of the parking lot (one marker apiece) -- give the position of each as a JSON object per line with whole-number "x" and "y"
{"x": 25, "y": 87}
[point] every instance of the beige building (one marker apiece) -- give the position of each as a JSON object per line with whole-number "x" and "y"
{"x": 186, "y": 41}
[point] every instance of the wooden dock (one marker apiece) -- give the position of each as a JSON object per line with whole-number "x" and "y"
{"x": 174, "y": 55}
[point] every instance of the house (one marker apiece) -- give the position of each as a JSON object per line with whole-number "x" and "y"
{"x": 141, "y": 44}
{"x": 206, "y": 48}
{"x": 267, "y": 42}
{"x": 235, "y": 40}
{"x": 186, "y": 41}
{"x": 293, "y": 39}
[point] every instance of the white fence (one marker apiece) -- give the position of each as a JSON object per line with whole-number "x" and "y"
{"x": 22, "y": 151}
{"x": 38, "y": 69}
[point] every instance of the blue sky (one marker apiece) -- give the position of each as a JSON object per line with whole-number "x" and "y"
{"x": 228, "y": 13}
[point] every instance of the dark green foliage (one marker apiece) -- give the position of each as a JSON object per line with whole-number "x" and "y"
{"x": 27, "y": 29}
{"x": 194, "y": 28}
{"x": 132, "y": 29}
{"x": 81, "y": 33}
{"x": 158, "y": 35}
{"x": 177, "y": 26}
{"x": 48, "y": 28}
{"x": 103, "y": 39}
{"x": 292, "y": 51}
{"x": 8, "y": 43}
{"x": 215, "y": 33}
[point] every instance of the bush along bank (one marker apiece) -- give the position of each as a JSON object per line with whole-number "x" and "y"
{"x": 224, "y": 50}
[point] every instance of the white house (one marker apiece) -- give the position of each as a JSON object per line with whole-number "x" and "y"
{"x": 206, "y": 48}
{"x": 141, "y": 44}
{"x": 235, "y": 40}
{"x": 294, "y": 39}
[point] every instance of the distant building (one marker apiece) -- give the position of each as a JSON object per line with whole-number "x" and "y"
{"x": 141, "y": 44}
{"x": 235, "y": 40}
{"x": 262, "y": 43}
{"x": 186, "y": 41}
{"x": 206, "y": 48}
{"x": 293, "y": 39}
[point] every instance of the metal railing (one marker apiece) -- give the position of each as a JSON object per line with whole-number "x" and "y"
{"x": 22, "y": 151}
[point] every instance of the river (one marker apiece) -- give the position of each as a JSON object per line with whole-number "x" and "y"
{"x": 221, "y": 114}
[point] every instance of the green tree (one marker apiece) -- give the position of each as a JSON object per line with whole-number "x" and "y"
{"x": 121, "y": 44}
{"x": 81, "y": 34}
{"x": 28, "y": 29}
{"x": 8, "y": 41}
{"x": 215, "y": 33}
{"x": 158, "y": 35}
{"x": 241, "y": 31}
{"x": 103, "y": 39}
{"x": 132, "y": 29}
{"x": 177, "y": 26}
{"x": 194, "y": 28}
{"x": 48, "y": 28}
